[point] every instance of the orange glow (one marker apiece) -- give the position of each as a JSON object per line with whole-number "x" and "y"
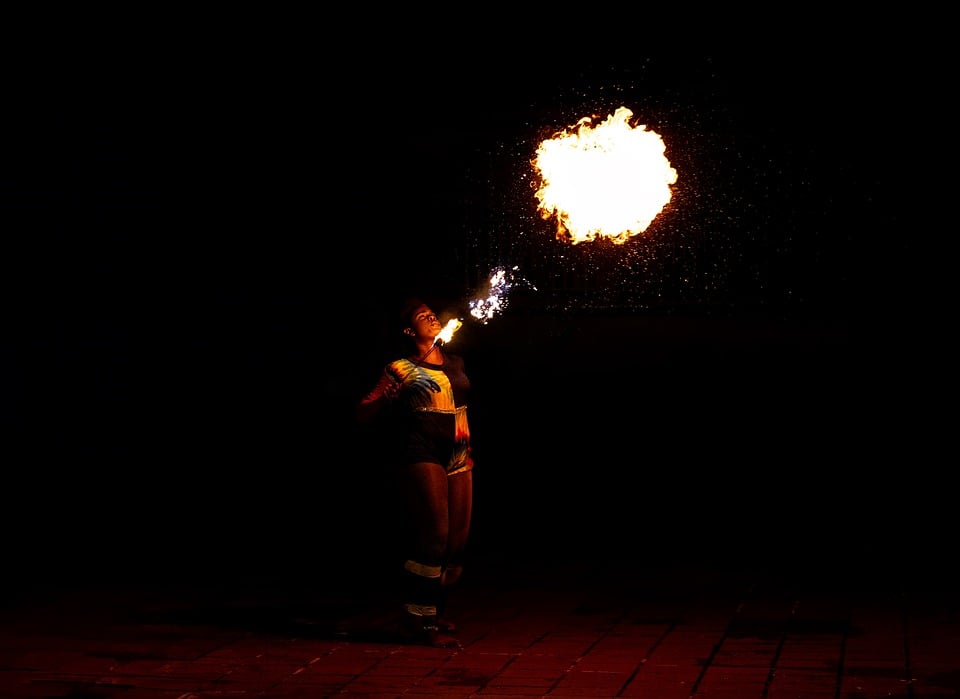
{"x": 448, "y": 330}
{"x": 608, "y": 181}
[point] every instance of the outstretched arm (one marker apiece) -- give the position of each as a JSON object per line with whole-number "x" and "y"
{"x": 372, "y": 404}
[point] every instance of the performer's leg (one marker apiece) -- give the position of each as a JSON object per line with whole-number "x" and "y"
{"x": 427, "y": 506}
{"x": 460, "y": 501}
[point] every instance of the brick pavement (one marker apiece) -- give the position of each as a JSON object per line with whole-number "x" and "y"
{"x": 580, "y": 629}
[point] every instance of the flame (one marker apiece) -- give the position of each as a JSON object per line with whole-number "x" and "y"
{"x": 448, "y": 330}
{"x": 610, "y": 180}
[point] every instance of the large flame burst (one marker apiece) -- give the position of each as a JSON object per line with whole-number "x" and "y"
{"x": 606, "y": 181}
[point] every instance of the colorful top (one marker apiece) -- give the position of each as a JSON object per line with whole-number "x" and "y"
{"x": 428, "y": 419}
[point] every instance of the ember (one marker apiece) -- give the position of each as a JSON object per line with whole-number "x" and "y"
{"x": 494, "y": 299}
{"x": 488, "y": 303}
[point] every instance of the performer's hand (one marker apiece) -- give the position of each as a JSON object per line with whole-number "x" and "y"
{"x": 392, "y": 390}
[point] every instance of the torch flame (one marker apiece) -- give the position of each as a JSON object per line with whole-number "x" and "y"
{"x": 610, "y": 181}
{"x": 448, "y": 330}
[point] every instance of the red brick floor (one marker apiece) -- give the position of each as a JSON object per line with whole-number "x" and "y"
{"x": 580, "y": 629}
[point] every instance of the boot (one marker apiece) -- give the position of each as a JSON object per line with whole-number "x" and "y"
{"x": 443, "y": 622}
{"x": 451, "y": 574}
{"x": 445, "y": 625}
{"x": 424, "y": 630}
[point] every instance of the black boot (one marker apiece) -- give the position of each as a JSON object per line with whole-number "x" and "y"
{"x": 443, "y": 623}
{"x": 424, "y": 630}
{"x": 423, "y": 594}
{"x": 450, "y": 575}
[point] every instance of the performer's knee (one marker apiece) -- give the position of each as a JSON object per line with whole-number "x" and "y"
{"x": 451, "y": 574}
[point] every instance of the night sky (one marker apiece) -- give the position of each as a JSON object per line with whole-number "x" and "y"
{"x": 206, "y": 249}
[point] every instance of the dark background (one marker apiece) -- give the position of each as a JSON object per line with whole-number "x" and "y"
{"x": 207, "y": 239}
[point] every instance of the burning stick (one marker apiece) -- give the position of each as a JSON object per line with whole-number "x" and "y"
{"x": 448, "y": 330}
{"x": 442, "y": 338}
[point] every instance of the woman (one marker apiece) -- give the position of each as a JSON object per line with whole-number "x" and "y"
{"x": 422, "y": 400}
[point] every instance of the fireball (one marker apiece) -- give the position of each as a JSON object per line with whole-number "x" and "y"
{"x": 605, "y": 181}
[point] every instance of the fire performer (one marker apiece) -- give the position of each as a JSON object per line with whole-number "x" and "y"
{"x": 422, "y": 401}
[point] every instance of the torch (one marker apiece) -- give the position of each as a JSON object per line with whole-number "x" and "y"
{"x": 448, "y": 330}
{"x": 442, "y": 338}
{"x": 483, "y": 307}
